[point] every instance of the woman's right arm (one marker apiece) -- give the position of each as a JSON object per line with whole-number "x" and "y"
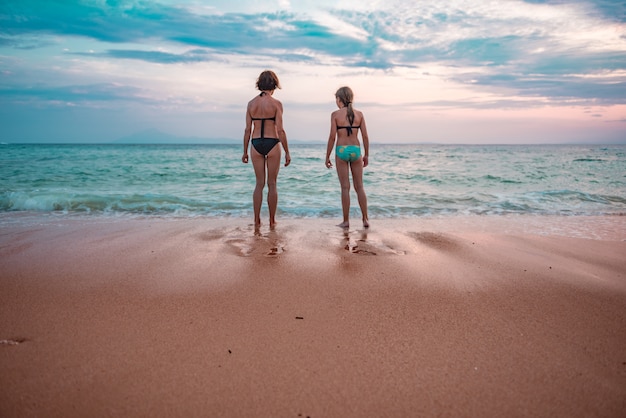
{"x": 246, "y": 135}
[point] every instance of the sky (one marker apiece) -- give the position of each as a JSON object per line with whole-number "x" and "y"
{"x": 445, "y": 71}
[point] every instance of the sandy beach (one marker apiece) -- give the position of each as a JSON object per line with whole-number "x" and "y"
{"x": 208, "y": 318}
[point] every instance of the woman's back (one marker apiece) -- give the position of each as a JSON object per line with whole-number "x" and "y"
{"x": 263, "y": 109}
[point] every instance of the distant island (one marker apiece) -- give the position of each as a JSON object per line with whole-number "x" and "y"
{"x": 154, "y": 136}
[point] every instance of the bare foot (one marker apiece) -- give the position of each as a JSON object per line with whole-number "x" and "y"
{"x": 366, "y": 223}
{"x": 344, "y": 224}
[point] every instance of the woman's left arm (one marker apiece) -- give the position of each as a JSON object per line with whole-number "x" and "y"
{"x": 282, "y": 135}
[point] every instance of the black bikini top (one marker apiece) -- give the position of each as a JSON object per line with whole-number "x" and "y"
{"x": 263, "y": 123}
{"x": 349, "y": 128}
{"x": 263, "y": 119}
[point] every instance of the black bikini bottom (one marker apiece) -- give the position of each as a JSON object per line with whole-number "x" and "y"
{"x": 264, "y": 145}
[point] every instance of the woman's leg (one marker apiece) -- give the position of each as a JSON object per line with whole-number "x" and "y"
{"x": 273, "y": 167}
{"x": 357, "y": 179}
{"x": 258, "y": 162}
{"x": 343, "y": 172}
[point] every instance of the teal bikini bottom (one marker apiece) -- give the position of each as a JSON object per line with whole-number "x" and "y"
{"x": 348, "y": 153}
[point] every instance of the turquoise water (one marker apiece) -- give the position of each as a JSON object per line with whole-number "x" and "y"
{"x": 401, "y": 181}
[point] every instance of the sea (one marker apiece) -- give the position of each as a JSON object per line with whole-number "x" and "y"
{"x": 401, "y": 181}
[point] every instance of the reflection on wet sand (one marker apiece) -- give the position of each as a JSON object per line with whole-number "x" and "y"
{"x": 358, "y": 245}
{"x": 269, "y": 244}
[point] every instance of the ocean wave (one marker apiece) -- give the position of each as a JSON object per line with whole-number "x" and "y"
{"x": 190, "y": 181}
{"x": 551, "y": 202}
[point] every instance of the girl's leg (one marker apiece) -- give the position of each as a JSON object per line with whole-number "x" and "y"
{"x": 357, "y": 178}
{"x": 273, "y": 166}
{"x": 258, "y": 162}
{"x": 343, "y": 172}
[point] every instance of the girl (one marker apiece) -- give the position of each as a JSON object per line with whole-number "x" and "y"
{"x": 344, "y": 128}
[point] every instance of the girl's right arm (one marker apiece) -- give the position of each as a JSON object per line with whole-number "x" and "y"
{"x": 331, "y": 140}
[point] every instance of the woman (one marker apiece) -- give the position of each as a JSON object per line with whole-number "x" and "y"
{"x": 264, "y": 125}
{"x": 344, "y": 128}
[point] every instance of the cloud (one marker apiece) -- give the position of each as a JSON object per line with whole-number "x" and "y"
{"x": 196, "y": 55}
{"x": 399, "y": 34}
{"x": 143, "y": 22}
{"x": 457, "y": 54}
{"x": 92, "y": 95}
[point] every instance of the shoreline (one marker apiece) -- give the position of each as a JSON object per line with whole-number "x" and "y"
{"x": 603, "y": 227}
{"x": 418, "y": 317}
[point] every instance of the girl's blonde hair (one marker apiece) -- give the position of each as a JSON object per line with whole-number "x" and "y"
{"x": 345, "y": 95}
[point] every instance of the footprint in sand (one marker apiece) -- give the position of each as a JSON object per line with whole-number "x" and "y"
{"x": 275, "y": 251}
{"x": 241, "y": 247}
{"x": 364, "y": 246}
{"x": 353, "y": 247}
{"x": 259, "y": 244}
{"x": 210, "y": 235}
{"x": 13, "y": 341}
{"x": 437, "y": 241}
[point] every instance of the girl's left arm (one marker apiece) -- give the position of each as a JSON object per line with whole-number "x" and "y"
{"x": 366, "y": 142}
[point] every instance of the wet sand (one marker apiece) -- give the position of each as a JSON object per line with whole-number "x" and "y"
{"x": 205, "y": 317}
